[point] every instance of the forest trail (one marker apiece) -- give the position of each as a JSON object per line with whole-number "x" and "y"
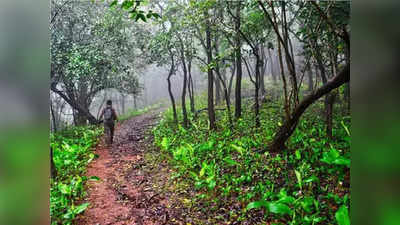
{"x": 124, "y": 193}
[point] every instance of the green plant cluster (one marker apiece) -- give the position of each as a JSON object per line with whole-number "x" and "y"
{"x": 232, "y": 169}
{"x": 72, "y": 152}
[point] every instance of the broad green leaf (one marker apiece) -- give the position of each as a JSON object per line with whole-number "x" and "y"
{"x": 342, "y": 216}
{"x": 279, "y": 208}
{"x": 257, "y": 205}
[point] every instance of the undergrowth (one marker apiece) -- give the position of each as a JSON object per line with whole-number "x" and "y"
{"x": 72, "y": 152}
{"x": 307, "y": 183}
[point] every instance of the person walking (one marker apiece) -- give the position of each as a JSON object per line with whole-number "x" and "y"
{"x": 109, "y": 117}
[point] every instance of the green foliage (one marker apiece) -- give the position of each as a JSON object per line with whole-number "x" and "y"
{"x": 342, "y": 216}
{"x": 72, "y": 151}
{"x": 226, "y": 166}
{"x": 132, "y": 6}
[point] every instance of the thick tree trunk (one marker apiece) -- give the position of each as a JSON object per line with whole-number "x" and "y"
{"x": 238, "y": 94}
{"x": 287, "y": 129}
{"x": 82, "y": 111}
{"x": 80, "y": 119}
{"x": 211, "y": 112}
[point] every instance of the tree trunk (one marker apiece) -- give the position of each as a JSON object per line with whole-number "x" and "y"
{"x": 53, "y": 117}
{"x": 211, "y": 112}
{"x": 81, "y": 110}
{"x": 257, "y": 87}
{"x": 287, "y": 129}
{"x": 274, "y": 80}
{"x": 286, "y": 105}
{"x": 310, "y": 79}
{"x": 191, "y": 87}
{"x": 53, "y": 169}
{"x": 226, "y": 94}
{"x": 238, "y": 94}
{"x": 233, "y": 70}
{"x": 183, "y": 97}
{"x": 217, "y": 90}
{"x": 264, "y": 65}
{"x": 171, "y": 95}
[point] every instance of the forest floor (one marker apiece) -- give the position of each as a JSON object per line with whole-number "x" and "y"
{"x": 126, "y": 192}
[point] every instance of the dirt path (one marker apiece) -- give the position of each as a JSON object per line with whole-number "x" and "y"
{"x": 124, "y": 194}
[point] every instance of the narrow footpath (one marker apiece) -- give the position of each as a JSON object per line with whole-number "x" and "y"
{"x": 125, "y": 194}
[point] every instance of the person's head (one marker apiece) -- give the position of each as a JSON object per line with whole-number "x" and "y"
{"x": 109, "y": 102}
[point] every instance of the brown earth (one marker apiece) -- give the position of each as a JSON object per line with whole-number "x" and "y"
{"x": 125, "y": 194}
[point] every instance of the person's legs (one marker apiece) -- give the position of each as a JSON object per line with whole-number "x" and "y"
{"x": 107, "y": 132}
{"x": 112, "y": 132}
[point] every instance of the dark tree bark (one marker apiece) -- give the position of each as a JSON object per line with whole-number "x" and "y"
{"x": 217, "y": 90}
{"x": 53, "y": 117}
{"x": 257, "y": 90}
{"x": 191, "y": 87}
{"x": 263, "y": 70}
{"x": 310, "y": 79}
{"x": 226, "y": 95}
{"x": 183, "y": 97}
{"x": 81, "y": 110}
{"x": 238, "y": 94}
{"x": 287, "y": 129}
{"x": 233, "y": 70}
{"x": 171, "y": 95}
{"x": 53, "y": 170}
{"x": 211, "y": 111}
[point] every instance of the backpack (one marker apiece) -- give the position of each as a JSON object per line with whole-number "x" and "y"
{"x": 108, "y": 114}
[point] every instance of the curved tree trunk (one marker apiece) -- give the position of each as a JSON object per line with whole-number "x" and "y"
{"x": 287, "y": 129}
{"x": 171, "y": 95}
{"x": 82, "y": 111}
